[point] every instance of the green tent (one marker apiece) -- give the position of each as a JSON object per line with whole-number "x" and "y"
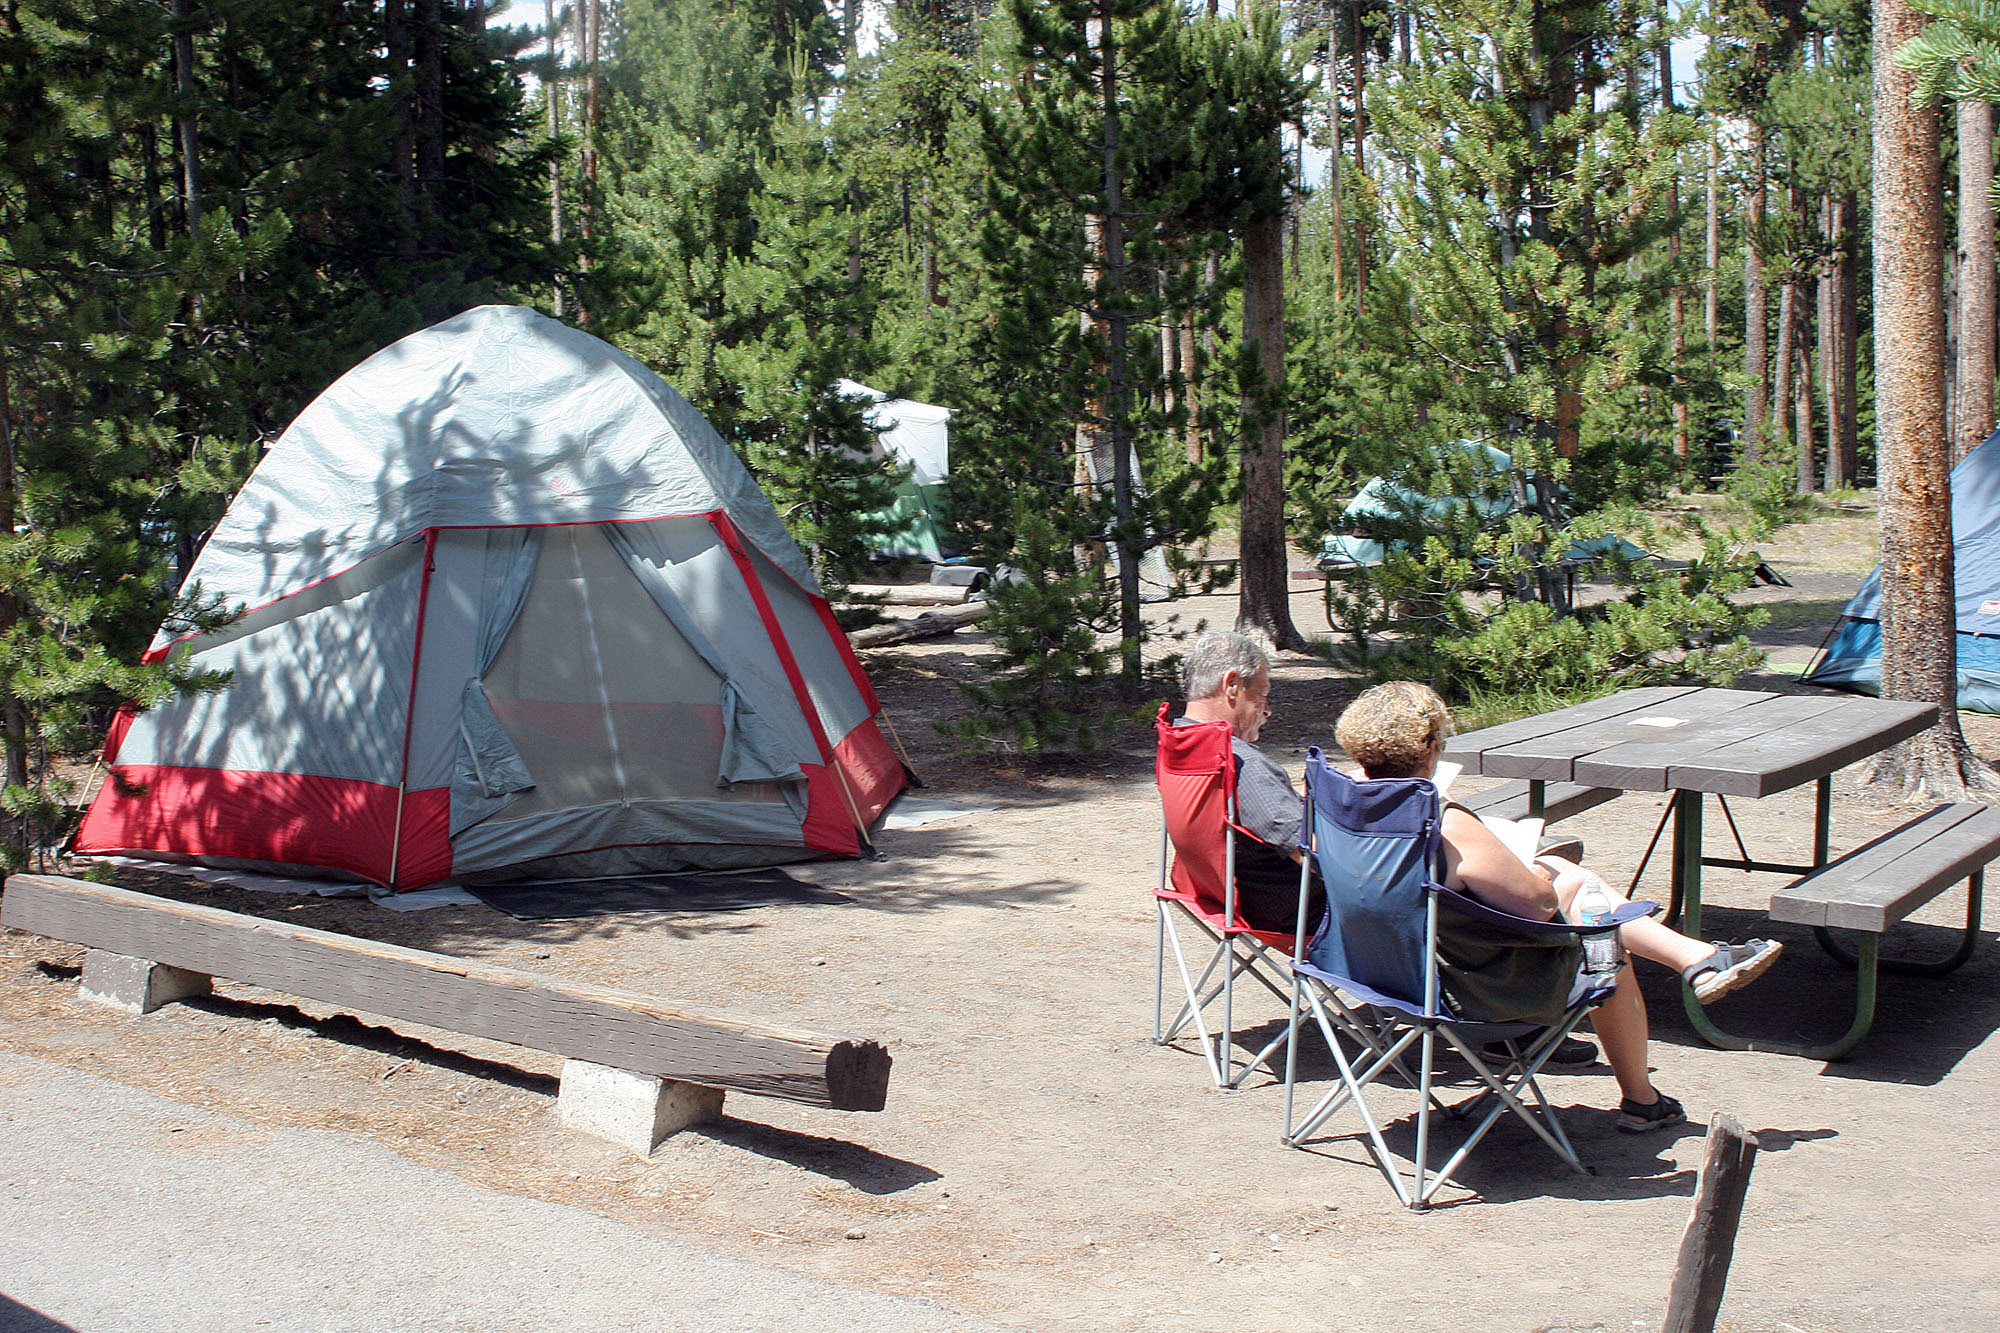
{"x": 917, "y": 436}
{"x": 1383, "y": 501}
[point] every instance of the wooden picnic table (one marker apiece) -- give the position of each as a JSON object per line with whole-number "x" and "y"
{"x": 1695, "y": 742}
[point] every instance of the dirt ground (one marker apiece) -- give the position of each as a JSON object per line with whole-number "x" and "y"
{"x": 1042, "y": 1163}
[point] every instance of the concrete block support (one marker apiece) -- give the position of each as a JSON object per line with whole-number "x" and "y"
{"x": 136, "y": 985}
{"x": 634, "y": 1111}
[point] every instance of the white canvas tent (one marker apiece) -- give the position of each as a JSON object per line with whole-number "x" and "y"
{"x": 514, "y": 610}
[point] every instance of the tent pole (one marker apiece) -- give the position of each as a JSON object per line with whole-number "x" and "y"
{"x": 410, "y": 705}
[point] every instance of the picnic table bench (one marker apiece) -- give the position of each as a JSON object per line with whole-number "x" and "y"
{"x": 635, "y": 1069}
{"x": 1559, "y": 800}
{"x": 1877, "y": 885}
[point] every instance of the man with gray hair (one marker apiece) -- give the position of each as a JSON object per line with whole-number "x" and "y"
{"x": 1227, "y": 678}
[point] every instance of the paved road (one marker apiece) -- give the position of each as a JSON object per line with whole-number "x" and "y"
{"x": 124, "y": 1212}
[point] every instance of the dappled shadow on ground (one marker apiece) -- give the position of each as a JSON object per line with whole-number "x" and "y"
{"x": 865, "y": 1169}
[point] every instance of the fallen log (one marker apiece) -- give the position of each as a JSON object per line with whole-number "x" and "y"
{"x": 911, "y": 594}
{"x": 930, "y": 625}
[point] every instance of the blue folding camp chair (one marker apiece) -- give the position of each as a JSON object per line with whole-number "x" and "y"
{"x": 1196, "y": 773}
{"x": 1370, "y": 970}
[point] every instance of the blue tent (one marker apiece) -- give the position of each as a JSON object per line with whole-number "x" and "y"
{"x": 1853, "y": 660}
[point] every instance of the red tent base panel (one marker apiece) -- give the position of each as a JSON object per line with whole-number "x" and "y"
{"x": 286, "y": 818}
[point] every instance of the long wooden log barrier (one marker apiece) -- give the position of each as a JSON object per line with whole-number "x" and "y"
{"x": 1710, "y": 1240}
{"x": 176, "y": 946}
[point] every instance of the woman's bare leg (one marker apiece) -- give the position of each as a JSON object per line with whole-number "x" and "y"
{"x": 1621, "y": 1026}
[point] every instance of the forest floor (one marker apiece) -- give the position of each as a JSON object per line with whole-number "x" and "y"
{"x": 1043, "y": 1164}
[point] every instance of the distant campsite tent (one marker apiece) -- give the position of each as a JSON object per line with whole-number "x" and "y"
{"x": 1382, "y": 500}
{"x": 918, "y": 436}
{"x": 1853, "y": 660}
{"x": 515, "y": 611}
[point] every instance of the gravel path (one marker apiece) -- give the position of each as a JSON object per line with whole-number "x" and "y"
{"x": 122, "y": 1210}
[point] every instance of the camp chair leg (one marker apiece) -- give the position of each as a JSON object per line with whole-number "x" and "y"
{"x": 1191, "y": 1011}
{"x": 1916, "y": 967}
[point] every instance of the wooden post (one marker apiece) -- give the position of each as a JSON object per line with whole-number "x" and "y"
{"x": 1710, "y": 1240}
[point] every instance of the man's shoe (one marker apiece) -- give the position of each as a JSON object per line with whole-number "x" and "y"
{"x": 1570, "y": 1052}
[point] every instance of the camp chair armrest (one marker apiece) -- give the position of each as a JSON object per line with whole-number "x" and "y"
{"x": 1535, "y": 932}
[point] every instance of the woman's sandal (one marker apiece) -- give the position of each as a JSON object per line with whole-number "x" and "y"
{"x": 1634, "y": 1118}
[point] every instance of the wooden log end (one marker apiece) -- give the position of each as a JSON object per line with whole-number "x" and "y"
{"x": 857, "y": 1076}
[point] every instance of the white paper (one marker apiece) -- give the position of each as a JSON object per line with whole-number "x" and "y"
{"x": 1523, "y": 837}
{"x": 1656, "y": 721}
{"x": 1442, "y": 779}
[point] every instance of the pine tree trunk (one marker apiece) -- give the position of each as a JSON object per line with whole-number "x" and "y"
{"x": 1117, "y": 320}
{"x": 1711, "y": 255}
{"x": 1826, "y": 306}
{"x": 1919, "y": 639}
{"x": 1781, "y": 363}
{"x": 396, "y": 40}
{"x": 430, "y": 136}
{"x": 1360, "y": 172}
{"x": 552, "y": 94}
{"x": 1190, "y": 388}
{"x": 1264, "y": 596}
{"x": 1848, "y": 293}
{"x": 1756, "y": 327}
{"x": 13, "y": 711}
{"x": 186, "y": 134}
{"x": 1677, "y": 297}
{"x": 1336, "y": 166}
{"x": 1802, "y": 411}
{"x": 592, "y": 12}
{"x": 1974, "y": 397}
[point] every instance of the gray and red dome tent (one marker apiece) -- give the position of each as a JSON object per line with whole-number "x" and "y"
{"x": 515, "y": 610}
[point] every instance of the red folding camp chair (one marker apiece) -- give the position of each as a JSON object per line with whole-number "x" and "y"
{"x": 1197, "y": 780}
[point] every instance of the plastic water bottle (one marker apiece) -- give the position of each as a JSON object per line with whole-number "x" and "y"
{"x": 1603, "y": 955}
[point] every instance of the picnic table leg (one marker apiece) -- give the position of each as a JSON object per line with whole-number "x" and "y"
{"x": 1822, "y": 820}
{"x": 1974, "y": 891}
{"x": 1537, "y": 797}
{"x": 1686, "y": 876}
{"x": 1864, "y": 1017}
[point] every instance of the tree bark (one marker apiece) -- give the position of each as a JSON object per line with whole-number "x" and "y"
{"x": 1677, "y": 298}
{"x": 552, "y": 94}
{"x": 430, "y": 105}
{"x": 185, "y": 132}
{"x": 1336, "y": 166}
{"x": 1974, "y": 398}
{"x": 1360, "y": 171}
{"x": 1117, "y": 320}
{"x": 1781, "y": 361}
{"x": 13, "y": 711}
{"x": 1802, "y": 409}
{"x": 1849, "y": 295}
{"x": 1756, "y": 329}
{"x": 1711, "y": 255}
{"x": 1264, "y": 595}
{"x": 1826, "y": 315}
{"x": 1919, "y": 640}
